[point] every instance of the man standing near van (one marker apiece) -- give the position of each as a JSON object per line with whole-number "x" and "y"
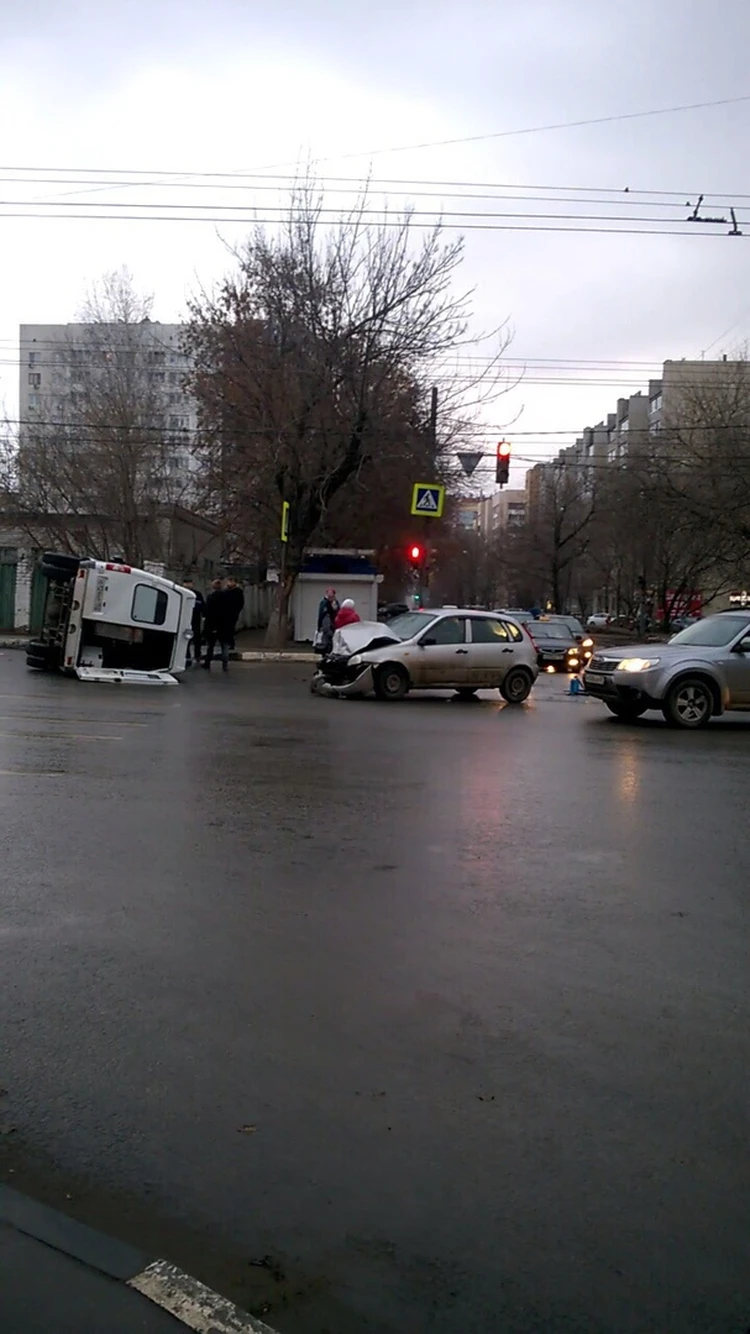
{"x": 235, "y": 599}
{"x": 219, "y": 625}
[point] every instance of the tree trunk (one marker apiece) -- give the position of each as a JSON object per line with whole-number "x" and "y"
{"x": 277, "y": 633}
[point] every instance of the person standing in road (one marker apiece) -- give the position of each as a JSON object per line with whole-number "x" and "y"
{"x": 235, "y": 601}
{"x": 348, "y": 615}
{"x": 218, "y": 625}
{"x": 199, "y": 610}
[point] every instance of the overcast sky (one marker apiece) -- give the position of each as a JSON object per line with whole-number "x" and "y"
{"x": 240, "y": 85}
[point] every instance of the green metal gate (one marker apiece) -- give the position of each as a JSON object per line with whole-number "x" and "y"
{"x": 8, "y": 561}
{"x": 38, "y": 593}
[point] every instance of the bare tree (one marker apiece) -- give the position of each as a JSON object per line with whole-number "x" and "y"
{"x": 313, "y": 370}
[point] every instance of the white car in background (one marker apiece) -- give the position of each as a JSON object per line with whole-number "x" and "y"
{"x": 599, "y": 620}
{"x": 451, "y": 649}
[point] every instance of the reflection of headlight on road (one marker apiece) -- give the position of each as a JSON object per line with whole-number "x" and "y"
{"x": 636, "y": 664}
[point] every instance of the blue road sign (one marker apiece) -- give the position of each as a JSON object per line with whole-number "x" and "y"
{"x": 427, "y": 500}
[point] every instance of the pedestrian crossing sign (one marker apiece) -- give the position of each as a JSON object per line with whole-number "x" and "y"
{"x": 428, "y": 500}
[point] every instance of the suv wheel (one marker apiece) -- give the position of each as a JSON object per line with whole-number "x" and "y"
{"x": 689, "y": 703}
{"x": 516, "y": 686}
{"x": 391, "y": 682}
{"x": 627, "y": 713}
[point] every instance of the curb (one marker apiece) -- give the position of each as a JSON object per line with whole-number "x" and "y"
{"x": 186, "y": 1299}
{"x": 278, "y": 656}
{"x": 13, "y": 643}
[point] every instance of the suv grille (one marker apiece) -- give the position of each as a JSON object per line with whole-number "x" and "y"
{"x": 603, "y": 664}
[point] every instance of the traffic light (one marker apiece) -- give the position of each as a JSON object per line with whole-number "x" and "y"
{"x": 502, "y": 467}
{"x": 416, "y": 554}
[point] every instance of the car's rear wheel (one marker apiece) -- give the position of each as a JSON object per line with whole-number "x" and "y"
{"x": 466, "y": 693}
{"x": 516, "y": 686}
{"x": 627, "y": 712}
{"x": 391, "y": 682}
{"x": 689, "y": 703}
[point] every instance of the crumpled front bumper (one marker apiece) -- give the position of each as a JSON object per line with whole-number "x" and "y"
{"x": 343, "y": 681}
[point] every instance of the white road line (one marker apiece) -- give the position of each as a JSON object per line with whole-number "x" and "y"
{"x": 194, "y": 1304}
{"x": 33, "y": 773}
{"x": 60, "y": 736}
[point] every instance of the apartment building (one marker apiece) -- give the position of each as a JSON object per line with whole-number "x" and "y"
{"x": 502, "y": 512}
{"x": 60, "y": 365}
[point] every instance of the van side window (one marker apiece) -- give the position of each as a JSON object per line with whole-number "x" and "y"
{"x": 149, "y": 605}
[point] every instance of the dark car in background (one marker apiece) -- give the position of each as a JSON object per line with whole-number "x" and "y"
{"x": 561, "y": 641}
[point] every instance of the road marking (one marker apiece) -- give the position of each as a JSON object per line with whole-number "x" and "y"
{"x": 64, "y": 736}
{"x": 194, "y": 1304}
{"x": 33, "y": 773}
{"x": 40, "y": 718}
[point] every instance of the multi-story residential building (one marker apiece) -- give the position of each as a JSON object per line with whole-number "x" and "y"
{"x": 64, "y": 366}
{"x": 502, "y": 512}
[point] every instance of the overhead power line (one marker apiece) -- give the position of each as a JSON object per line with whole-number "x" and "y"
{"x": 45, "y": 216}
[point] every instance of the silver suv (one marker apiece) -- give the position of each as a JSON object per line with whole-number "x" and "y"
{"x": 702, "y": 671}
{"x": 451, "y": 649}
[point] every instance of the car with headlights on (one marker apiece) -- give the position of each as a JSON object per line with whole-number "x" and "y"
{"x": 561, "y": 642}
{"x": 447, "y": 649}
{"x": 700, "y": 673}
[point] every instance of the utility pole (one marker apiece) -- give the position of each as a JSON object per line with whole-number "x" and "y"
{"x": 424, "y": 576}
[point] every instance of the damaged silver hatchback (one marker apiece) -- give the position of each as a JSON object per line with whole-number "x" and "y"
{"x": 447, "y": 649}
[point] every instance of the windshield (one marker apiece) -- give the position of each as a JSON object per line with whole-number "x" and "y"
{"x": 714, "y": 632}
{"x": 548, "y": 630}
{"x": 404, "y": 627}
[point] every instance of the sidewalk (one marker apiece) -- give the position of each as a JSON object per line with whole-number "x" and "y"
{"x": 57, "y": 1274}
{"x": 251, "y": 647}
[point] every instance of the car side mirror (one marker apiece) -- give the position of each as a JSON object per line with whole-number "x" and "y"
{"x": 743, "y": 646}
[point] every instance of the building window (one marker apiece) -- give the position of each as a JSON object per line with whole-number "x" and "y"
{"x": 149, "y": 605}
{"x": 33, "y": 401}
{"x": 32, "y": 359}
{"x": 656, "y": 403}
{"x": 35, "y": 379}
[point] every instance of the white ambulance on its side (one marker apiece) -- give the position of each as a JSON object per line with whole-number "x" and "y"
{"x": 105, "y": 621}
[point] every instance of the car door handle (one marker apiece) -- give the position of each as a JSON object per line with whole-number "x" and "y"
{"x": 462, "y": 650}
{"x": 507, "y": 650}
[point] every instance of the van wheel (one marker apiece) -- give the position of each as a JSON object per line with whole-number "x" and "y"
{"x": 36, "y": 664}
{"x": 391, "y": 682}
{"x": 516, "y": 686}
{"x": 689, "y": 703}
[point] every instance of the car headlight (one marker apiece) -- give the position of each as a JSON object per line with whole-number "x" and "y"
{"x": 587, "y": 643}
{"x": 637, "y": 664}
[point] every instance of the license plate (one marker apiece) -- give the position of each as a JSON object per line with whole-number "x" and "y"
{"x": 594, "y": 678}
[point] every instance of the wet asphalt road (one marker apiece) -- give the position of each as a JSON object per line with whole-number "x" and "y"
{"x": 427, "y": 1016}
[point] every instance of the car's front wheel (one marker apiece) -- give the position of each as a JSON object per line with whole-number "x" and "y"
{"x": 689, "y": 703}
{"x": 627, "y": 712}
{"x": 516, "y": 686}
{"x": 391, "y": 682}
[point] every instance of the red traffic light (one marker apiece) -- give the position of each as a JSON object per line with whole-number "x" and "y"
{"x": 415, "y": 553}
{"x": 503, "y": 450}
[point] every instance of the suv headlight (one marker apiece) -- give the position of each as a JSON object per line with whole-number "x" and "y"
{"x": 637, "y": 664}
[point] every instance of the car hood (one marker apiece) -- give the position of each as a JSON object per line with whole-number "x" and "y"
{"x": 669, "y": 652}
{"x": 360, "y": 636}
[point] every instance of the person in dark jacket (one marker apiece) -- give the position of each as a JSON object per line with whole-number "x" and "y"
{"x": 235, "y": 601}
{"x": 219, "y": 625}
{"x": 196, "y": 623}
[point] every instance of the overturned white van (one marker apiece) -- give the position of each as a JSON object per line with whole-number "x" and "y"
{"x": 105, "y": 621}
